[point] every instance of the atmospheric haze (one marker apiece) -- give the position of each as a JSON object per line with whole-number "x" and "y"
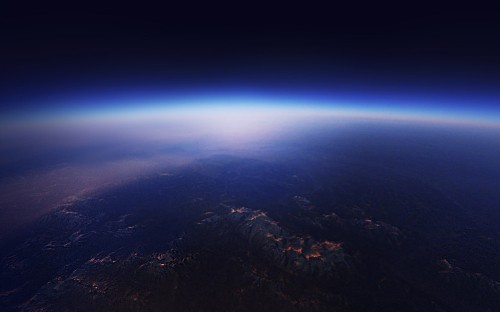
{"x": 52, "y": 157}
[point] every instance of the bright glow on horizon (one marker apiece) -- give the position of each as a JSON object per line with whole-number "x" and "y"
{"x": 242, "y": 113}
{"x": 105, "y": 147}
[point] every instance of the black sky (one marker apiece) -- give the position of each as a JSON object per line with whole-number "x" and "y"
{"x": 65, "y": 47}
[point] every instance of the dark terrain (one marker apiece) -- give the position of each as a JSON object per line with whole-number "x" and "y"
{"x": 228, "y": 233}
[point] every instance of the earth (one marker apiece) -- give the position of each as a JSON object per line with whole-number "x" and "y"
{"x": 377, "y": 217}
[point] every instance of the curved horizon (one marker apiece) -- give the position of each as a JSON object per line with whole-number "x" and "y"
{"x": 205, "y": 105}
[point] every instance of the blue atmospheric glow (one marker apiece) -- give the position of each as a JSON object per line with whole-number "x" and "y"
{"x": 131, "y": 104}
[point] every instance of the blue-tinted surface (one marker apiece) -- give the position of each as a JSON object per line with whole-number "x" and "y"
{"x": 343, "y": 159}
